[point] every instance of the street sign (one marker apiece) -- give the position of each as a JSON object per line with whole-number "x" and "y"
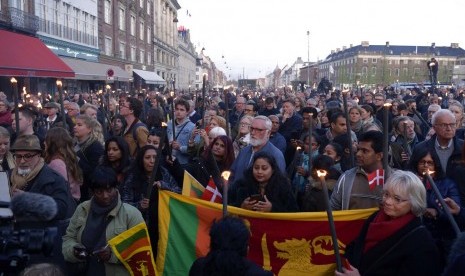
{"x": 110, "y": 73}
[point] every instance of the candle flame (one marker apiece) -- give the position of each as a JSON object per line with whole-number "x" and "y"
{"x": 321, "y": 173}
{"x": 172, "y": 93}
{"x": 226, "y": 175}
{"x": 345, "y": 91}
{"x": 428, "y": 172}
{"x": 387, "y": 105}
{"x": 163, "y": 124}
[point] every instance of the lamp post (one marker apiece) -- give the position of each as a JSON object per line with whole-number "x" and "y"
{"x": 308, "y": 58}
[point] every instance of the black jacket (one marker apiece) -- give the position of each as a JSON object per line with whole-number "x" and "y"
{"x": 455, "y": 169}
{"x": 409, "y": 251}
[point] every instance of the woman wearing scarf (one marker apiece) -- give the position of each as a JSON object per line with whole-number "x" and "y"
{"x": 393, "y": 241}
{"x": 94, "y": 223}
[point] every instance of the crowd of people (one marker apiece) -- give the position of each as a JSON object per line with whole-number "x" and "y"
{"x": 105, "y": 157}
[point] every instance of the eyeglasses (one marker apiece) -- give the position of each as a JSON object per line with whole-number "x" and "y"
{"x": 397, "y": 199}
{"x": 444, "y": 126}
{"x": 426, "y": 163}
{"x": 252, "y": 129}
{"x": 26, "y": 157}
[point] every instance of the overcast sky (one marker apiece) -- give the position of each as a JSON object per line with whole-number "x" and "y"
{"x": 256, "y": 35}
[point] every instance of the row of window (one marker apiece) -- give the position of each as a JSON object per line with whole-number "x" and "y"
{"x": 161, "y": 57}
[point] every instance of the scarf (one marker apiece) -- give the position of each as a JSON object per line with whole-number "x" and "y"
{"x": 21, "y": 182}
{"x": 383, "y": 226}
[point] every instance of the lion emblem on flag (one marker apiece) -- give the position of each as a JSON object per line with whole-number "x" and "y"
{"x": 299, "y": 255}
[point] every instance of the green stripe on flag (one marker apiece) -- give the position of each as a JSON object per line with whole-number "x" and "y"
{"x": 130, "y": 240}
{"x": 180, "y": 252}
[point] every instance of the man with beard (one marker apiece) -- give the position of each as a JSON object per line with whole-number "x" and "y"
{"x": 32, "y": 175}
{"x": 260, "y": 130}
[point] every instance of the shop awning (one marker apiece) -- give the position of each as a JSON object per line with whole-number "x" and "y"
{"x": 150, "y": 77}
{"x": 87, "y": 70}
{"x": 27, "y": 56}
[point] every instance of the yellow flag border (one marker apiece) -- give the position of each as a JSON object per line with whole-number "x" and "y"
{"x": 124, "y": 235}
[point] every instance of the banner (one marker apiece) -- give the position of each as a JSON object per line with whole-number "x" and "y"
{"x": 133, "y": 249}
{"x": 286, "y": 243}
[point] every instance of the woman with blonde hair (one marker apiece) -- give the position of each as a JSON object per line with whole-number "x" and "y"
{"x": 60, "y": 156}
{"x": 89, "y": 148}
{"x": 457, "y": 109}
{"x": 7, "y": 163}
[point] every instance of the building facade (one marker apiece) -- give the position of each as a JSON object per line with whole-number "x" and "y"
{"x": 187, "y": 61}
{"x": 372, "y": 65}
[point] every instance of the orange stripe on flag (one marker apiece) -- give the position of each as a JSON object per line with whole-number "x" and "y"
{"x": 138, "y": 244}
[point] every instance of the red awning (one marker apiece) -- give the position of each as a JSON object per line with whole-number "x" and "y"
{"x": 27, "y": 56}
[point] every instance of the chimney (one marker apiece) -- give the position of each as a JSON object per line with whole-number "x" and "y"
{"x": 344, "y": 48}
{"x": 332, "y": 51}
{"x": 433, "y": 45}
{"x": 365, "y": 43}
{"x": 387, "y": 43}
{"x": 454, "y": 45}
{"x": 351, "y": 45}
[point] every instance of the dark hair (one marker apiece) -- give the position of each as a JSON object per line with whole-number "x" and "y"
{"x": 269, "y": 100}
{"x": 229, "y": 158}
{"x": 124, "y": 162}
{"x": 135, "y": 105}
{"x": 368, "y": 108}
{"x": 324, "y": 162}
{"x": 137, "y": 169}
{"x": 122, "y": 119}
{"x": 183, "y": 103}
{"x": 28, "y": 111}
{"x": 103, "y": 177}
{"x": 421, "y": 152}
{"x": 376, "y": 139}
{"x": 310, "y": 110}
{"x": 229, "y": 239}
{"x": 153, "y": 118}
{"x": 277, "y": 181}
{"x": 402, "y": 106}
{"x": 342, "y": 140}
{"x": 335, "y": 116}
{"x": 337, "y": 148}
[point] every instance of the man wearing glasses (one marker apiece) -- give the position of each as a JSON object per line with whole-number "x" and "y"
{"x": 447, "y": 148}
{"x": 260, "y": 130}
{"x": 31, "y": 174}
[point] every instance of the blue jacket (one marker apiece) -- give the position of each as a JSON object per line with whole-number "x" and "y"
{"x": 244, "y": 159}
{"x": 278, "y": 141}
{"x": 292, "y": 125}
{"x": 182, "y": 134}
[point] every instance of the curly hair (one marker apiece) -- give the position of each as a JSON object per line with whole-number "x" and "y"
{"x": 59, "y": 144}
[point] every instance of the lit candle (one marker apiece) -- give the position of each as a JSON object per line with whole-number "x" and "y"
{"x": 329, "y": 212}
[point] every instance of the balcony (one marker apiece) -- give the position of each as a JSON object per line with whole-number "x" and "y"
{"x": 71, "y": 34}
{"x": 17, "y": 19}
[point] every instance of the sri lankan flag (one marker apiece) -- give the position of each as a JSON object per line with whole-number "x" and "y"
{"x": 191, "y": 187}
{"x": 285, "y": 243}
{"x": 133, "y": 249}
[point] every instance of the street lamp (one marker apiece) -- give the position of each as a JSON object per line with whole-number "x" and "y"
{"x": 308, "y": 58}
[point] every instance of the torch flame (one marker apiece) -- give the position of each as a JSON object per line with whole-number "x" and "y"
{"x": 298, "y": 148}
{"x": 321, "y": 173}
{"x": 428, "y": 172}
{"x": 345, "y": 91}
{"x": 172, "y": 93}
{"x": 226, "y": 175}
{"x": 13, "y": 80}
{"x": 387, "y": 105}
{"x": 163, "y": 124}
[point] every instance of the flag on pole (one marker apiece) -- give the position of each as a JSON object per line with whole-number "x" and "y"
{"x": 191, "y": 187}
{"x": 285, "y": 243}
{"x": 376, "y": 178}
{"x": 133, "y": 249}
{"x": 212, "y": 193}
